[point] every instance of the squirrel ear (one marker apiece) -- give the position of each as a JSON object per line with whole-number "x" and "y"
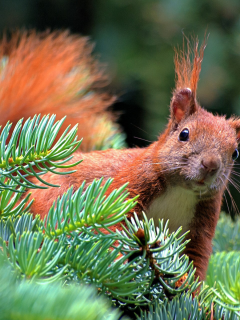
{"x": 235, "y": 123}
{"x": 182, "y": 105}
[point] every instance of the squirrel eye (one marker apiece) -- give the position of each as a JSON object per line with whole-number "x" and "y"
{"x": 184, "y": 135}
{"x": 235, "y": 154}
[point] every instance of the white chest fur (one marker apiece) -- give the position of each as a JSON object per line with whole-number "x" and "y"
{"x": 176, "y": 204}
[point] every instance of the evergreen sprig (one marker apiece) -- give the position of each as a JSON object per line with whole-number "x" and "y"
{"x": 86, "y": 208}
{"x": 99, "y": 263}
{"x": 224, "y": 266}
{"x": 10, "y": 204}
{"x": 181, "y": 308}
{"x": 17, "y": 225}
{"x": 224, "y": 275}
{"x": 30, "y": 301}
{"x": 33, "y": 151}
{"x": 186, "y": 307}
{"x": 34, "y": 256}
{"x": 171, "y": 272}
{"x": 137, "y": 266}
{"x": 227, "y": 235}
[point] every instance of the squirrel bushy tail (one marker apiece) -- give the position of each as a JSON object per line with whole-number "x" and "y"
{"x": 54, "y": 73}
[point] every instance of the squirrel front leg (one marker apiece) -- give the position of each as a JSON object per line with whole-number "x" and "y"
{"x": 202, "y": 230}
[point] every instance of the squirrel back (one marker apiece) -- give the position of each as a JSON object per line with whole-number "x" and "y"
{"x": 181, "y": 177}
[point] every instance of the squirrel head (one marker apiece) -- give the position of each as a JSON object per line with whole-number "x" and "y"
{"x": 198, "y": 149}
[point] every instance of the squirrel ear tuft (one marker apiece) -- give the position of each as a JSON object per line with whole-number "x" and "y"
{"x": 187, "y": 68}
{"x": 235, "y": 123}
{"x": 182, "y": 105}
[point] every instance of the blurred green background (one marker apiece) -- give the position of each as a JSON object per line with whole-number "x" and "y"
{"x": 136, "y": 40}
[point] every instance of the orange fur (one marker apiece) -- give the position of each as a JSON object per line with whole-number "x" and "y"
{"x": 187, "y": 69}
{"x": 53, "y": 73}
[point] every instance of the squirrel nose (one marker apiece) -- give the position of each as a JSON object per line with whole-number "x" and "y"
{"x": 210, "y": 164}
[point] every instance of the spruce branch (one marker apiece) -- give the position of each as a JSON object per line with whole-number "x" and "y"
{"x": 172, "y": 271}
{"x": 222, "y": 312}
{"x": 227, "y": 234}
{"x": 133, "y": 271}
{"x": 134, "y": 267}
{"x": 224, "y": 276}
{"x": 34, "y": 256}
{"x": 31, "y": 301}
{"x": 181, "y": 308}
{"x": 18, "y": 225}
{"x": 186, "y": 307}
{"x": 9, "y": 200}
{"x": 88, "y": 208}
{"x": 31, "y": 144}
{"x": 102, "y": 264}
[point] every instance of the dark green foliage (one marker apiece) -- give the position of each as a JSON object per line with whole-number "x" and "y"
{"x": 227, "y": 235}
{"x": 186, "y": 307}
{"x": 224, "y": 275}
{"x": 224, "y": 265}
{"x": 224, "y": 268}
{"x": 180, "y": 308}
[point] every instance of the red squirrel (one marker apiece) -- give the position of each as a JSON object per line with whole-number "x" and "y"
{"x": 181, "y": 177}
